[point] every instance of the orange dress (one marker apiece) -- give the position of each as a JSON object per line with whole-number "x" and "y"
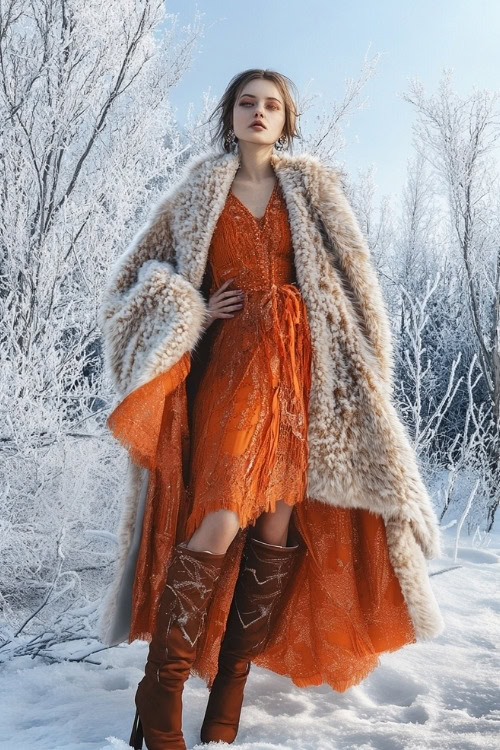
{"x": 246, "y": 449}
{"x": 249, "y": 431}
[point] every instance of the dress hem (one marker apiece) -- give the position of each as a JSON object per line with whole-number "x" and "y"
{"x": 312, "y": 680}
{"x": 245, "y": 518}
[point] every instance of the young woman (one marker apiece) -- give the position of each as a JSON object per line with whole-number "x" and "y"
{"x": 275, "y": 512}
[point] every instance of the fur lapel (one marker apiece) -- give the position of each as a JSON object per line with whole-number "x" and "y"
{"x": 318, "y": 212}
{"x": 208, "y": 179}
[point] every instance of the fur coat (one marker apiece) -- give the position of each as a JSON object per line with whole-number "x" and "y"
{"x": 360, "y": 454}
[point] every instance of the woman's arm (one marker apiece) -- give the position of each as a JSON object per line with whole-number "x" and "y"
{"x": 149, "y": 315}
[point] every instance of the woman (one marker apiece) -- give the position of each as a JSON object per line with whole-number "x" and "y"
{"x": 275, "y": 511}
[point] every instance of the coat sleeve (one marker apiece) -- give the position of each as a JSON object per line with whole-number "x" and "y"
{"x": 149, "y": 314}
{"x": 350, "y": 256}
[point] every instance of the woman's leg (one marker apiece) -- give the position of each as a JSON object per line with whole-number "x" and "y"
{"x": 272, "y": 527}
{"x": 215, "y": 533}
{"x": 218, "y": 529}
{"x": 192, "y": 574}
{"x": 267, "y": 566}
{"x": 191, "y": 578}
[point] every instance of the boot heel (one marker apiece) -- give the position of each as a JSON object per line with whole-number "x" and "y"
{"x": 137, "y": 736}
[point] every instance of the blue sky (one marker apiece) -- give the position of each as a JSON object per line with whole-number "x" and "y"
{"x": 322, "y": 43}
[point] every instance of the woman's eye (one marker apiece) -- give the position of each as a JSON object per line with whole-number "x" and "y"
{"x": 271, "y": 106}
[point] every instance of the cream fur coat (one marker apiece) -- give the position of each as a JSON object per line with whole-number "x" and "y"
{"x": 360, "y": 455}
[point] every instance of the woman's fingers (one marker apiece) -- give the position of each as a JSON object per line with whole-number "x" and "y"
{"x": 230, "y": 300}
{"x": 232, "y": 307}
{"x": 225, "y": 305}
{"x": 224, "y": 301}
{"x": 231, "y": 293}
{"x": 227, "y": 308}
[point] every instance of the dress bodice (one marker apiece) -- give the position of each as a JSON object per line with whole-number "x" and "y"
{"x": 257, "y": 252}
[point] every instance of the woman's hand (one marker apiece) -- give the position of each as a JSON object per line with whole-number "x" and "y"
{"x": 223, "y": 302}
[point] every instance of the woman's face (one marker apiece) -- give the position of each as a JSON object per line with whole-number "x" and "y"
{"x": 259, "y": 99}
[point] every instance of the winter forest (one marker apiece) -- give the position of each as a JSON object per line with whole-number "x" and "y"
{"x": 89, "y": 140}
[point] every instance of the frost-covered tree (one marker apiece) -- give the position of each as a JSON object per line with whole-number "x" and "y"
{"x": 458, "y": 137}
{"x": 87, "y": 139}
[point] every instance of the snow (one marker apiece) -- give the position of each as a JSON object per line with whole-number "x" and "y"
{"x": 441, "y": 694}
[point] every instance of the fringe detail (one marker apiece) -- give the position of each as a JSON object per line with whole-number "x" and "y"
{"x": 245, "y": 518}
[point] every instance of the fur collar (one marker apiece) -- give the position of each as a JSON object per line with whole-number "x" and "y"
{"x": 203, "y": 187}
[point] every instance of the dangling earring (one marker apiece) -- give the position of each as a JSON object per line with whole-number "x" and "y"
{"x": 280, "y": 143}
{"x": 230, "y": 139}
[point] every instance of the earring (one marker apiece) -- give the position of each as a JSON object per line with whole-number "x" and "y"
{"x": 280, "y": 143}
{"x": 230, "y": 139}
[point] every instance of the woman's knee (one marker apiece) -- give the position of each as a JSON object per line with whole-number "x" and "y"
{"x": 273, "y": 527}
{"x": 216, "y": 532}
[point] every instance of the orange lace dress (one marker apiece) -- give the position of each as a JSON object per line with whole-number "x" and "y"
{"x": 246, "y": 449}
{"x": 249, "y": 433}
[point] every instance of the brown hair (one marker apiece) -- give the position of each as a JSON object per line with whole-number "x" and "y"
{"x": 226, "y": 104}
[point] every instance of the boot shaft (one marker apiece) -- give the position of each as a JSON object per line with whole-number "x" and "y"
{"x": 181, "y": 616}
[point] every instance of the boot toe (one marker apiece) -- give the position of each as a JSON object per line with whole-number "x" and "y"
{"x": 216, "y": 732}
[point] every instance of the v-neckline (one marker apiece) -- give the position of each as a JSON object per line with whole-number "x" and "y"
{"x": 258, "y": 219}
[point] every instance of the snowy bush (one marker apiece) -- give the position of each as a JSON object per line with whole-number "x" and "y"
{"x": 88, "y": 139}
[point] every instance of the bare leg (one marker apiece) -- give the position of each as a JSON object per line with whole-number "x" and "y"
{"x": 218, "y": 529}
{"x": 216, "y": 532}
{"x": 255, "y": 609}
{"x": 273, "y": 527}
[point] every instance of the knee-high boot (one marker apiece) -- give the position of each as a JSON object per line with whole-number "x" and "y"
{"x": 259, "y": 594}
{"x": 181, "y": 617}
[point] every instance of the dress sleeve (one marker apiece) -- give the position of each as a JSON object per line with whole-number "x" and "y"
{"x": 137, "y": 420}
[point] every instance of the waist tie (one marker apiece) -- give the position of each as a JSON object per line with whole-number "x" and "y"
{"x": 286, "y": 339}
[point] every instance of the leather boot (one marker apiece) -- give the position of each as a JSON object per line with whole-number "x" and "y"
{"x": 181, "y": 617}
{"x": 258, "y": 600}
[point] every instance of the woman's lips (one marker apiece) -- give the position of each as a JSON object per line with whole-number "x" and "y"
{"x": 259, "y": 127}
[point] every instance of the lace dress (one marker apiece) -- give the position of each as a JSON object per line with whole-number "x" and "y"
{"x": 249, "y": 432}
{"x": 246, "y": 449}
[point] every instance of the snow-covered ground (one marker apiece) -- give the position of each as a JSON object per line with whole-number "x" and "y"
{"x": 440, "y": 695}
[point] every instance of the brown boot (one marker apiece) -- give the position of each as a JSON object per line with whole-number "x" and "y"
{"x": 257, "y": 603}
{"x": 182, "y": 612}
